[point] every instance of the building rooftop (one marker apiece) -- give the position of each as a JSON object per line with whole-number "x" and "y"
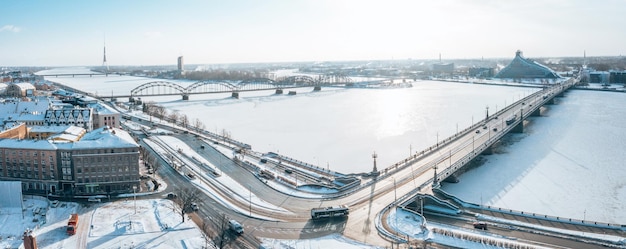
{"x": 105, "y": 137}
{"x": 65, "y": 129}
{"x": 521, "y": 67}
{"x": 102, "y": 109}
{"x": 27, "y": 144}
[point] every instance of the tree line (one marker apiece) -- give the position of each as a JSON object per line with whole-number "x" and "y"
{"x": 174, "y": 117}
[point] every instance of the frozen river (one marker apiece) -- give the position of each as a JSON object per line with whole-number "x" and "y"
{"x": 341, "y": 128}
{"x": 566, "y": 164}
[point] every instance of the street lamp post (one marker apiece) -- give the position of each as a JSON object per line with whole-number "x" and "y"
{"x": 473, "y": 143}
{"x": 250, "y": 198}
{"x": 486, "y": 113}
{"x": 395, "y": 196}
{"x": 135, "y": 197}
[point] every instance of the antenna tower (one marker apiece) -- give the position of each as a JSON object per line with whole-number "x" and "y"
{"x": 105, "y": 65}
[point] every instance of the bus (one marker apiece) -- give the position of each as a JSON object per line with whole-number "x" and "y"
{"x": 327, "y": 212}
{"x": 511, "y": 119}
{"x": 72, "y": 224}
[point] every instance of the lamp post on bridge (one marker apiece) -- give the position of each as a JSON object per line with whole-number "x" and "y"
{"x": 486, "y": 113}
{"x": 375, "y": 172}
{"x": 395, "y": 195}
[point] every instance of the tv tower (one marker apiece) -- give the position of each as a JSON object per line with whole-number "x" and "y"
{"x": 105, "y": 65}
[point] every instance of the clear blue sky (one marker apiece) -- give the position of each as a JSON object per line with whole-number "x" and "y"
{"x": 72, "y": 33}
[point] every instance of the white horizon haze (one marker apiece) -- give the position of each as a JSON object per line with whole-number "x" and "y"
{"x": 71, "y": 33}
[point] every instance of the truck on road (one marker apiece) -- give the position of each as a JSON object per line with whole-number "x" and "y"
{"x": 72, "y": 224}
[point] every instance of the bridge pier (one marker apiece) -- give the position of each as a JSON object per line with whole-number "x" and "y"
{"x": 561, "y": 94}
{"x": 235, "y": 95}
{"x": 519, "y": 128}
{"x": 317, "y": 88}
{"x": 536, "y": 113}
{"x": 488, "y": 151}
{"x": 550, "y": 102}
{"x": 279, "y": 91}
{"x": 185, "y": 96}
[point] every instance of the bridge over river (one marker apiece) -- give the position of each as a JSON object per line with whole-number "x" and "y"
{"x": 167, "y": 88}
{"x": 421, "y": 172}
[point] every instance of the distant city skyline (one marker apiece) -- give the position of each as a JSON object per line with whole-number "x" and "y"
{"x": 72, "y": 33}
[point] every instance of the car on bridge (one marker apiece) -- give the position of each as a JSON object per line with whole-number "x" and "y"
{"x": 480, "y": 225}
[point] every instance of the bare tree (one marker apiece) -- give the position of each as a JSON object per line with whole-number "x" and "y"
{"x": 225, "y": 134}
{"x": 160, "y": 112}
{"x": 148, "y": 108}
{"x": 222, "y": 233}
{"x": 184, "y": 120}
{"x": 143, "y": 153}
{"x": 198, "y": 124}
{"x": 207, "y": 232}
{"x": 152, "y": 160}
{"x": 173, "y": 117}
{"x": 186, "y": 197}
{"x": 155, "y": 163}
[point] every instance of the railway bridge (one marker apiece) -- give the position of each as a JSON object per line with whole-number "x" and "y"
{"x": 166, "y": 88}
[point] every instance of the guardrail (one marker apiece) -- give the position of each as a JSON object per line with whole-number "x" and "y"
{"x": 530, "y": 214}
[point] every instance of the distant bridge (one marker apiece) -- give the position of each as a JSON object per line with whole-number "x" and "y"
{"x": 56, "y": 75}
{"x": 167, "y": 88}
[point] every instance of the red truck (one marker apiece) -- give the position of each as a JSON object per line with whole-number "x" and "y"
{"x": 72, "y": 224}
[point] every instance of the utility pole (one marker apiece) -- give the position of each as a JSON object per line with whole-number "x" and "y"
{"x": 250, "y": 191}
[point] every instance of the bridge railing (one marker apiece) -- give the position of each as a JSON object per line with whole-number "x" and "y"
{"x": 529, "y": 214}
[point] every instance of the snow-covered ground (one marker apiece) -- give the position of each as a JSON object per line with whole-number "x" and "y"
{"x": 330, "y": 241}
{"x": 153, "y": 223}
{"x": 156, "y": 224}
